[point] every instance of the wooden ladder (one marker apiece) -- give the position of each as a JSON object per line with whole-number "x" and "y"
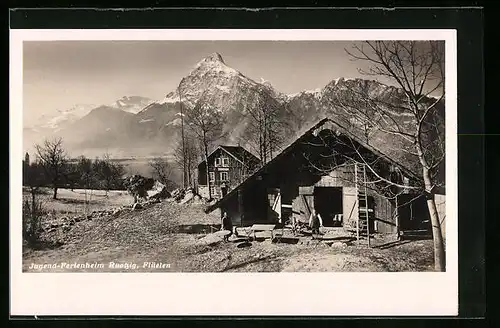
{"x": 362, "y": 222}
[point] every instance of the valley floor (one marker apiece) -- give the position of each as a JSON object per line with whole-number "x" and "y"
{"x": 173, "y": 237}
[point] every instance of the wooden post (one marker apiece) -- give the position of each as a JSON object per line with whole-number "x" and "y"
{"x": 357, "y": 198}
{"x": 366, "y": 207}
{"x": 240, "y": 206}
{"x": 397, "y": 218}
{"x": 183, "y": 140}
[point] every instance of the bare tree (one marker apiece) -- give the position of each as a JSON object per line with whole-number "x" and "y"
{"x": 53, "y": 158}
{"x": 162, "y": 171}
{"x": 266, "y": 127}
{"x": 191, "y": 160}
{"x": 206, "y": 123}
{"x": 88, "y": 177}
{"x": 72, "y": 175}
{"x": 186, "y": 158}
{"x": 249, "y": 166}
{"x": 34, "y": 178}
{"x": 107, "y": 172}
{"x": 411, "y": 116}
{"x": 183, "y": 141}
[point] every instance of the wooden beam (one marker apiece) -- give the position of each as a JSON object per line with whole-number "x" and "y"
{"x": 356, "y": 183}
{"x": 306, "y": 205}
{"x": 276, "y": 202}
{"x": 240, "y": 207}
{"x": 397, "y": 219}
{"x": 366, "y": 206}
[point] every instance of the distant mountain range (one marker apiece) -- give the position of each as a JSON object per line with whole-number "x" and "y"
{"x": 138, "y": 126}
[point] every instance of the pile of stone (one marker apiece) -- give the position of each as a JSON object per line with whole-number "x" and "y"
{"x": 64, "y": 223}
{"x": 143, "y": 204}
{"x": 146, "y": 191}
{"x": 178, "y": 194}
{"x": 183, "y": 196}
{"x": 158, "y": 191}
{"x": 339, "y": 244}
{"x": 188, "y": 196}
{"x": 138, "y": 186}
{"x": 67, "y": 222}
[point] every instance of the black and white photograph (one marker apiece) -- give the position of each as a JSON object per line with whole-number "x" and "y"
{"x": 217, "y": 155}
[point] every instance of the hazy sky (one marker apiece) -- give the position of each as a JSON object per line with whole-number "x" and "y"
{"x": 61, "y": 74}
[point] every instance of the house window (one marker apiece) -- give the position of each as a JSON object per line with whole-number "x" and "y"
{"x": 225, "y": 161}
{"x": 223, "y": 176}
{"x": 217, "y": 162}
{"x": 212, "y": 176}
{"x": 212, "y": 191}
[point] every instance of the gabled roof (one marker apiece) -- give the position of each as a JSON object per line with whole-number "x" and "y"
{"x": 340, "y": 130}
{"x": 237, "y": 152}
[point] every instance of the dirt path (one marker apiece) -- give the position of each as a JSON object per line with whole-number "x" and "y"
{"x": 167, "y": 237}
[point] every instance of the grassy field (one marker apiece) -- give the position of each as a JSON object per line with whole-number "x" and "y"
{"x": 73, "y": 201}
{"x": 173, "y": 237}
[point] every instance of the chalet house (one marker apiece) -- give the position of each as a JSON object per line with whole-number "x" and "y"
{"x": 315, "y": 172}
{"x": 228, "y": 166}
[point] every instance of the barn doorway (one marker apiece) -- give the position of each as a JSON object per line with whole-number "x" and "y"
{"x": 274, "y": 205}
{"x": 413, "y": 213}
{"x": 328, "y": 203}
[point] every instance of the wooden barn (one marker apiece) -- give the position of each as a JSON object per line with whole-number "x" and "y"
{"x": 323, "y": 169}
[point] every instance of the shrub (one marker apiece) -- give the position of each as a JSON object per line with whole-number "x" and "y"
{"x": 32, "y": 220}
{"x": 138, "y": 185}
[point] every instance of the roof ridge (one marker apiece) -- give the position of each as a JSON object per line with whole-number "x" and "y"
{"x": 228, "y": 150}
{"x": 303, "y": 135}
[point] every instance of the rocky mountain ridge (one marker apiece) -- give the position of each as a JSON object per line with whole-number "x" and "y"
{"x": 138, "y": 126}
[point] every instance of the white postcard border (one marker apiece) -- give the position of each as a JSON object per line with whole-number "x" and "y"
{"x": 339, "y": 294}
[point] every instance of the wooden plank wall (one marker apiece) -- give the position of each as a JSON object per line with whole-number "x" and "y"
{"x": 341, "y": 177}
{"x": 385, "y": 214}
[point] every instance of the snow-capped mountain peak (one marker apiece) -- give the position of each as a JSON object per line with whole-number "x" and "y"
{"x": 214, "y": 57}
{"x": 212, "y": 79}
{"x": 131, "y": 104}
{"x": 316, "y": 93}
{"x": 77, "y": 109}
{"x": 64, "y": 116}
{"x": 171, "y": 97}
{"x": 136, "y": 124}
{"x": 213, "y": 63}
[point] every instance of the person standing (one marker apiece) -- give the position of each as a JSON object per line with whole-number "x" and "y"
{"x": 315, "y": 222}
{"x": 227, "y": 224}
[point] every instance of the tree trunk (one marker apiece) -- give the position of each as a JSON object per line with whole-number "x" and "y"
{"x": 205, "y": 154}
{"x": 188, "y": 169}
{"x": 439, "y": 252}
{"x": 55, "y": 193}
{"x": 184, "y": 169}
{"x": 85, "y": 206}
{"x": 261, "y": 154}
{"x": 240, "y": 207}
{"x": 33, "y": 203}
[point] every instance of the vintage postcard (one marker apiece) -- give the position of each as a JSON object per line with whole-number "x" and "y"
{"x": 189, "y": 164}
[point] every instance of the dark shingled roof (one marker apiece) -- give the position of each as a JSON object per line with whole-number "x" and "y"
{"x": 239, "y": 153}
{"x": 408, "y": 169}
